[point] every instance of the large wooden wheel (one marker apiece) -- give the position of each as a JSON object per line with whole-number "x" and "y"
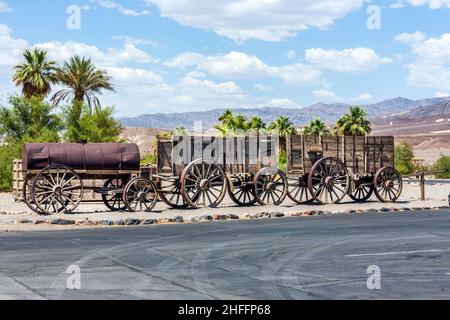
{"x": 27, "y": 196}
{"x": 328, "y": 181}
{"x": 388, "y": 184}
{"x": 362, "y": 192}
{"x": 114, "y": 200}
{"x": 270, "y": 186}
{"x": 171, "y": 195}
{"x": 203, "y": 184}
{"x": 298, "y": 189}
{"x": 57, "y": 189}
{"x": 241, "y": 191}
{"x": 140, "y": 195}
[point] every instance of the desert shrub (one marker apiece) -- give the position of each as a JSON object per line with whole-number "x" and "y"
{"x": 443, "y": 163}
{"x": 404, "y": 155}
{"x": 149, "y": 159}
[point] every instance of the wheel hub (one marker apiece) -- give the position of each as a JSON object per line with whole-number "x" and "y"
{"x": 271, "y": 186}
{"x": 329, "y": 182}
{"x": 389, "y": 184}
{"x": 205, "y": 184}
{"x": 58, "y": 190}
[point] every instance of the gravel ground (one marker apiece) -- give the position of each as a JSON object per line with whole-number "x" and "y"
{"x": 17, "y": 216}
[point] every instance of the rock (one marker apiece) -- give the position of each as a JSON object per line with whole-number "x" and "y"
{"x": 178, "y": 219}
{"x": 132, "y": 222}
{"x": 26, "y": 221}
{"x": 293, "y": 213}
{"x": 277, "y": 215}
{"x": 120, "y": 222}
{"x": 149, "y": 221}
{"x": 220, "y": 217}
{"x": 233, "y": 217}
{"x": 206, "y": 218}
{"x": 352, "y": 211}
{"x": 309, "y": 213}
{"x": 62, "y": 222}
{"x": 262, "y": 215}
{"x": 107, "y": 223}
{"x": 384, "y": 209}
{"x": 40, "y": 221}
{"x": 3, "y": 213}
{"x": 371, "y": 210}
{"x": 163, "y": 220}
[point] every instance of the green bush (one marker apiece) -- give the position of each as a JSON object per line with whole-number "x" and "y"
{"x": 148, "y": 159}
{"x": 443, "y": 163}
{"x": 8, "y": 153}
{"x": 403, "y": 158}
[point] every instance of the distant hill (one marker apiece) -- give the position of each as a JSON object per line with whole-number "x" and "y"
{"x": 330, "y": 113}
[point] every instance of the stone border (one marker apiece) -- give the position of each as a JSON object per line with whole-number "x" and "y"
{"x": 216, "y": 217}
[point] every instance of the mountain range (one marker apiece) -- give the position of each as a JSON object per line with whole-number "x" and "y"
{"x": 398, "y": 108}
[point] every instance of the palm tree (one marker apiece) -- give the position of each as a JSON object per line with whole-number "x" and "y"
{"x": 180, "y": 132}
{"x": 226, "y": 117}
{"x": 317, "y": 127}
{"x": 354, "y": 123}
{"x": 282, "y": 126}
{"x": 36, "y": 74}
{"x": 256, "y": 125}
{"x": 84, "y": 83}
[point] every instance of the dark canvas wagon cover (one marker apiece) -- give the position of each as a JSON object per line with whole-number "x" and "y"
{"x": 82, "y": 157}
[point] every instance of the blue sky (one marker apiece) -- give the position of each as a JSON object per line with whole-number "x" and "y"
{"x": 189, "y": 55}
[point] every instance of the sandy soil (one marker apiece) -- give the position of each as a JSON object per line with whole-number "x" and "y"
{"x": 16, "y": 216}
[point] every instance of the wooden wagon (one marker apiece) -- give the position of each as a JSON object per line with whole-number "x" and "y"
{"x": 216, "y": 166}
{"x": 326, "y": 169}
{"x": 55, "y": 175}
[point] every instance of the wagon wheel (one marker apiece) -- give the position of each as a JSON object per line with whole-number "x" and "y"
{"x": 298, "y": 190}
{"x": 115, "y": 201}
{"x": 362, "y": 192}
{"x": 140, "y": 195}
{"x": 171, "y": 195}
{"x": 57, "y": 189}
{"x": 203, "y": 185}
{"x": 242, "y": 192}
{"x": 28, "y": 196}
{"x": 328, "y": 181}
{"x": 270, "y": 187}
{"x": 388, "y": 184}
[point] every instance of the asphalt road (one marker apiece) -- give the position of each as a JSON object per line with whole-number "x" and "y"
{"x": 292, "y": 258}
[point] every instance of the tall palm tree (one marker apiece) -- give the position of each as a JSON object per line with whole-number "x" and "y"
{"x": 354, "y": 123}
{"x": 282, "y": 126}
{"x": 256, "y": 124}
{"x": 317, "y": 127}
{"x": 84, "y": 83}
{"x": 36, "y": 74}
{"x": 226, "y": 117}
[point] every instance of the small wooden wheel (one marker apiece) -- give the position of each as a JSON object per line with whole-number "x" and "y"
{"x": 270, "y": 187}
{"x": 171, "y": 195}
{"x": 27, "y": 196}
{"x": 362, "y": 192}
{"x": 298, "y": 189}
{"x": 388, "y": 184}
{"x": 203, "y": 185}
{"x": 328, "y": 181}
{"x": 140, "y": 195}
{"x": 114, "y": 201}
{"x": 56, "y": 189}
{"x": 242, "y": 192}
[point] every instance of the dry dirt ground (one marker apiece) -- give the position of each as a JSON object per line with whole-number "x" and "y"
{"x": 17, "y": 217}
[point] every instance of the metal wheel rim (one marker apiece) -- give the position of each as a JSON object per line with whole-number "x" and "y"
{"x": 383, "y": 193}
{"x": 298, "y": 190}
{"x": 173, "y": 197}
{"x": 361, "y": 193}
{"x": 211, "y": 193}
{"x": 263, "y": 194}
{"x": 28, "y": 196}
{"x": 57, "y": 189}
{"x": 328, "y": 169}
{"x": 243, "y": 196}
{"x": 140, "y": 195}
{"x": 114, "y": 202}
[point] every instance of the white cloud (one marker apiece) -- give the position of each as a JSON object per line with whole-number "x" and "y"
{"x": 269, "y": 20}
{"x": 441, "y": 94}
{"x": 281, "y": 103}
{"x": 410, "y": 37}
{"x": 131, "y": 75}
{"x": 431, "y": 65}
{"x": 362, "y": 97}
{"x": 4, "y": 7}
{"x": 291, "y": 54}
{"x": 62, "y": 51}
{"x": 242, "y": 66}
{"x": 354, "y": 60}
{"x": 262, "y": 87}
{"x": 11, "y": 49}
{"x": 432, "y": 4}
{"x": 108, "y": 4}
{"x": 326, "y": 95}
